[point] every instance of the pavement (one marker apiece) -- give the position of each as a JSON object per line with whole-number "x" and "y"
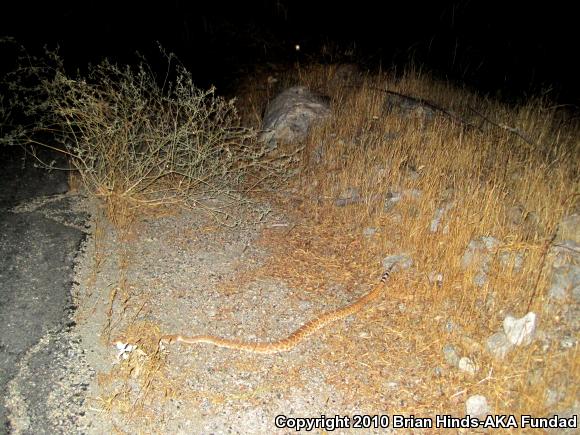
{"x": 42, "y": 371}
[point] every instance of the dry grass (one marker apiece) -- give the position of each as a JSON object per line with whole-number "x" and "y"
{"x": 499, "y": 158}
{"x": 480, "y": 166}
{"x": 484, "y": 170}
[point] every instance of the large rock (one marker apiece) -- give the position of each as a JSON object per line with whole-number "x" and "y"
{"x": 565, "y": 281}
{"x": 569, "y": 228}
{"x": 290, "y": 114}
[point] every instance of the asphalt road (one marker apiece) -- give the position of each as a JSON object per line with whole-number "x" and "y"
{"x": 40, "y": 236}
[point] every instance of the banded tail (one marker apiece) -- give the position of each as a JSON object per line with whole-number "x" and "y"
{"x": 387, "y": 273}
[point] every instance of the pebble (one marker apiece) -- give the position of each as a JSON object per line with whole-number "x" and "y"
{"x": 477, "y": 406}
{"x": 451, "y": 355}
{"x": 465, "y": 364}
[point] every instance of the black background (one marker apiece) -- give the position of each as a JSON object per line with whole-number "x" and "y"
{"x": 510, "y": 48}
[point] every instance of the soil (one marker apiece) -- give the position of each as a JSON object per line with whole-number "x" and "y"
{"x": 184, "y": 273}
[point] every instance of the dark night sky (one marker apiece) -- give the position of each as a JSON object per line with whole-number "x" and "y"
{"x": 509, "y": 46}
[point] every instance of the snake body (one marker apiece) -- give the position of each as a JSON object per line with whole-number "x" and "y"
{"x": 290, "y": 342}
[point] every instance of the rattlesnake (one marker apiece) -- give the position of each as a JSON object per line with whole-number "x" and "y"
{"x": 293, "y": 339}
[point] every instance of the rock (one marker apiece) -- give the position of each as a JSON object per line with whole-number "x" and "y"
{"x": 512, "y": 259}
{"x": 569, "y": 228}
{"x": 565, "y": 252}
{"x": 480, "y": 279}
{"x": 565, "y": 282}
{"x": 571, "y": 414}
{"x": 479, "y": 253}
{"x": 482, "y": 247}
{"x": 404, "y": 261}
{"x": 439, "y": 214}
{"x": 406, "y": 106}
{"x": 451, "y": 326}
{"x": 465, "y": 364}
{"x": 498, "y": 345}
{"x": 553, "y": 396}
{"x": 318, "y": 154}
{"x": 289, "y": 116}
{"x": 392, "y": 198}
{"x": 520, "y": 331}
{"x": 568, "y": 342}
{"x": 476, "y": 406}
{"x": 451, "y": 355}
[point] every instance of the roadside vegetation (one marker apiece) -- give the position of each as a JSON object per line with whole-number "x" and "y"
{"x": 405, "y": 164}
{"x": 410, "y": 164}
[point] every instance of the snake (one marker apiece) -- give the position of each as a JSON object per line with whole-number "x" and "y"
{"x": 292, "y": 340}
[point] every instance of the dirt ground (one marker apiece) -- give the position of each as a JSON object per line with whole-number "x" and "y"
{"x": 184, "y": 273}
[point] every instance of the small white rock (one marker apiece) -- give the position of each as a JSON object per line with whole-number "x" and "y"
{"x": 520, "y": 331}
{"x": 476, "y": 406}
{"x": 467, "y": 365}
